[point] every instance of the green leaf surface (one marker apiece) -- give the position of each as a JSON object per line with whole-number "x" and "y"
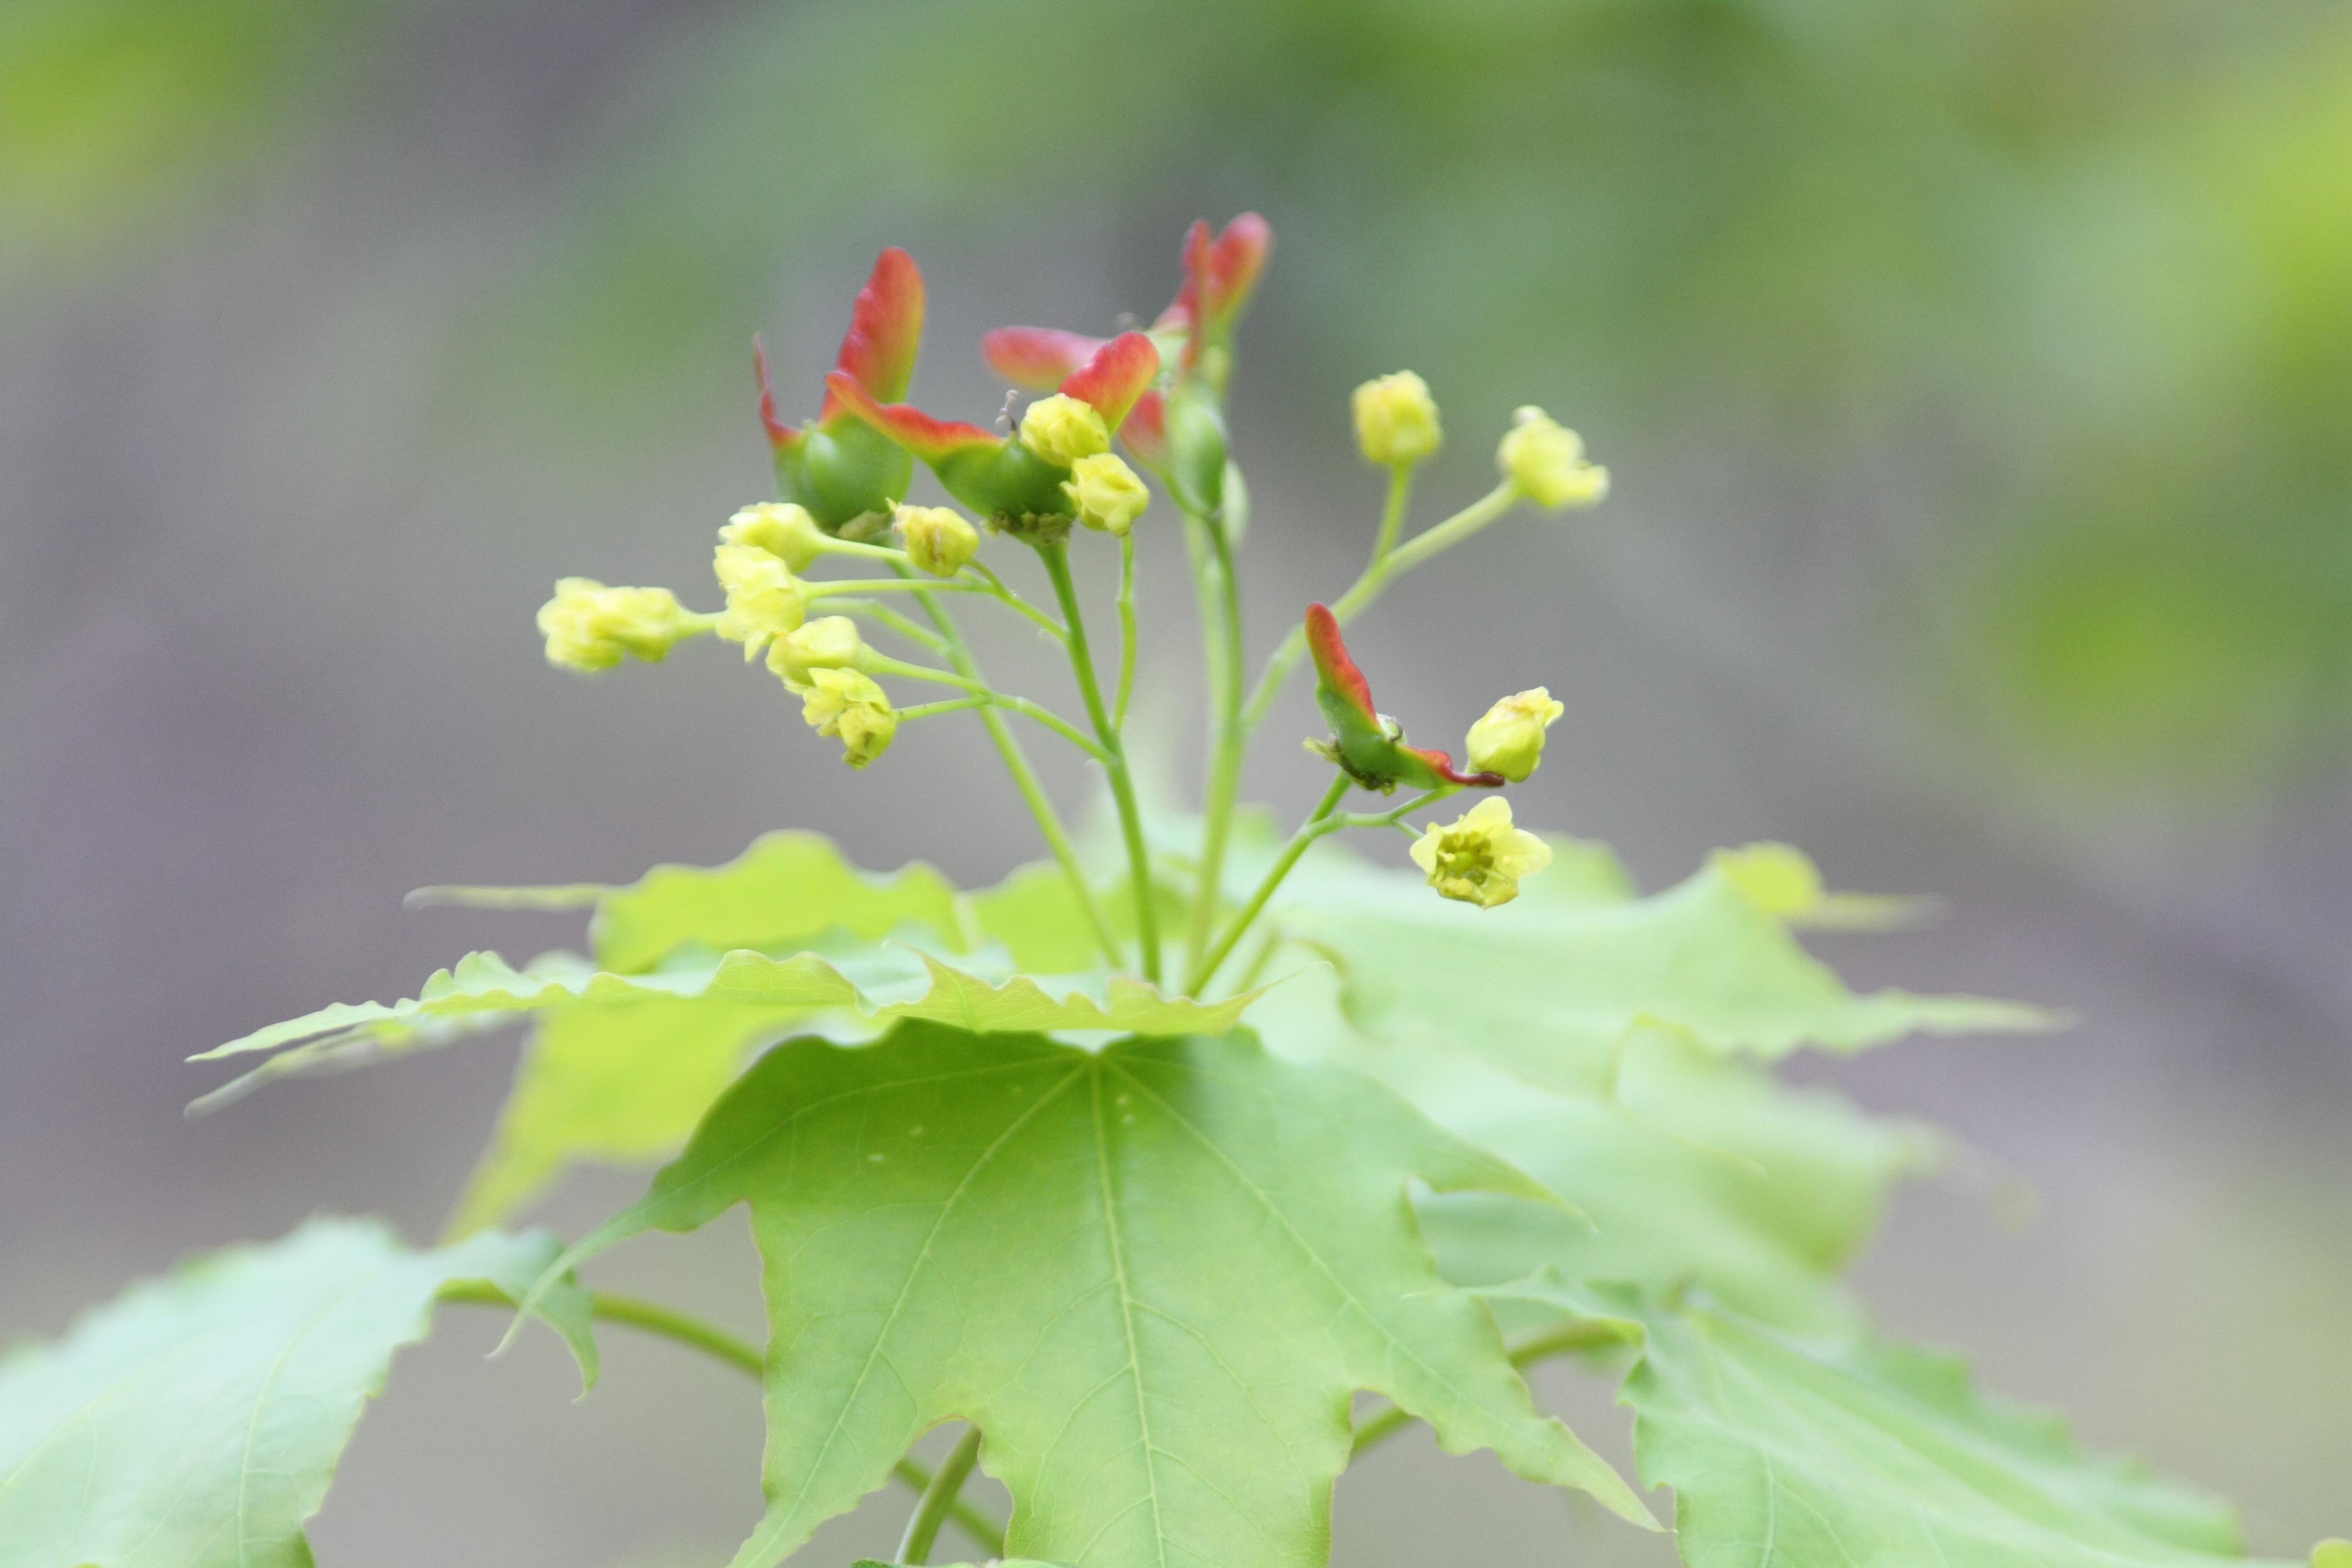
{"x": 616, "y": 1084}
{"x": 1860, "y": 1453}
{"x": 873, "y": 986}
{"x": 1553, "y": 986}
{"x": 628, "y": 1083}
{"x": 1154, "y": 1276}
{"x": 783, "y": 890}
{"x": 196, "y": 1421}
{"x": 1698, "y": 1171}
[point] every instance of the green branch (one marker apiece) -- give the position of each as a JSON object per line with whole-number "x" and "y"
{"x": 1319, "y": 822}
{"x": 1056, "y": 557}
{"x": 1591, "y": 1334}
{"x": 1126, "y": 631}
{"x": 1384, "y": 567}
{"x": 1033, "y": 790}
{"x": 883, "y": 664}
{"x": 681, "y": 1328}
{"x": 938, "y": 1500}
{"x": 1229, "y": 744}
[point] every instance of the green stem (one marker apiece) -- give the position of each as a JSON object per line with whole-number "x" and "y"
{"x": 1005, "y": 595}
{"x": 1126, "y": 631}
{"x": 931, "y": 710}
{"x": 829, "y": 587}
{"x": 1230, "y": 749}
{"x": 1392, "y": 515}
{"x": 682, "y": 1328}
{"x": 1056, "y": 557}
{"x": 883, "y": 664}
{"x": 1390, "y": 564}
{"x": 1590, "y": 1335}
{"x": 1322, "y": 821}
{"x": 938, "y": 1499}
{"x": 1204, "y": 969}
{"x": 1033, "y": 791}
{"x": 883, "y": 615}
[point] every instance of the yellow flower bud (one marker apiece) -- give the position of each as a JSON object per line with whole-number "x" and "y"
{"x": 1062, "y": 429}
{"x": 1480, "y": 858}
{"x": 1396, "y": 419}
{"x": 1546, "y": 461}
{"x": 764, "y": 600}
{"x": 829, "y": 642}
{"x": 784, "y": 530}
{"x": 938, "y": 538}
{"x": 1107, "y": 493}
{"x": 589, "y": 626}
{"x": 847, "y": 704}
{"x": 1509, "y": 740}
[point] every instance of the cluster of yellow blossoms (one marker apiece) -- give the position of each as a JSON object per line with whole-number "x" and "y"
{"x": 1544, "y": 461}
{"x": 764, "y": 548}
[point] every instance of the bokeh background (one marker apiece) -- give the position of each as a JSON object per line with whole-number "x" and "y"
{"x": 1976, "y": 374}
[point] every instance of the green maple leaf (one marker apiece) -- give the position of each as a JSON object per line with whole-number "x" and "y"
{"x": 784, "y": 890}
{"x": 194, "y": 1421}
{"x": 870, "y": 986}
{"x": 1551, "y": 986}
{"x": 1697, "y": 1170}
{"x": 694, "y": 968}
{"x": 1154, "y": 1276}
{"x": 1860, "y": 1453}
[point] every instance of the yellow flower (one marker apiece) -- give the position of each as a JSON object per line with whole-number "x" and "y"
{"x": 1480, "y": 858}
{"x": 1107, "y": 493}
{"x": 764, "y": 600}
{"x": 1396, "y": 419}
{"x": 784, "y": 530}
{"x": 1546, "y": 461}
{"x": 589, "y": 626}
{"x": 829, "y": 642}
{"x": 1509, "y": 740}
{"x": 845, "y": 703}
{"x": 1062, "y": 429}
{"x": 938, "y": 538}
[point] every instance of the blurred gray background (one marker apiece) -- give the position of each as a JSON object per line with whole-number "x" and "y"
{"x": 1977, "y": 379}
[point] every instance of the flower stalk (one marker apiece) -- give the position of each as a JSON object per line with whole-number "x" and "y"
{"x": 1056, "y": 555}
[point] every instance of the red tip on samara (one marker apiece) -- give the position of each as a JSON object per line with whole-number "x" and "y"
{"x": 1342, "y": 678}
{"x": 781, "y": 436}
{"x": 928, "y": 438}
{"x": 1116, "y": 376}
{"x": 1038, "y": 358}
{"x": 1333, "y": 665}
{"x": 1146, "y": 429}
{"x": 886, "y": 328}
{"x": 1218, "y": 276}
{"x": 1442, "y": 764}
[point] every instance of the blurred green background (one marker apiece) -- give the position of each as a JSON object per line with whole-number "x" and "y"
{"x": 1977, "y": 379}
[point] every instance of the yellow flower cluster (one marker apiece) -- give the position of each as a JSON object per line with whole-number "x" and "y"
{"x": 1544, "y": 460}
{"x": 1062, "y": 429}
{"x": 848, "y": 704}
{"x": 937, "y": 538}
{"x": 1480, "y": 858}
{"x": 1509, "y": 740}
{"x": 1107, "y": 493}
{"x": 1396, "y": 419}
{"x": 589, "y": 626}
{"x": 784, "y": 530}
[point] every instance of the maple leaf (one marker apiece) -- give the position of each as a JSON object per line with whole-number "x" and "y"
{"x": 1154, "y": 1276}
{"x": 194, "y": 1421}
